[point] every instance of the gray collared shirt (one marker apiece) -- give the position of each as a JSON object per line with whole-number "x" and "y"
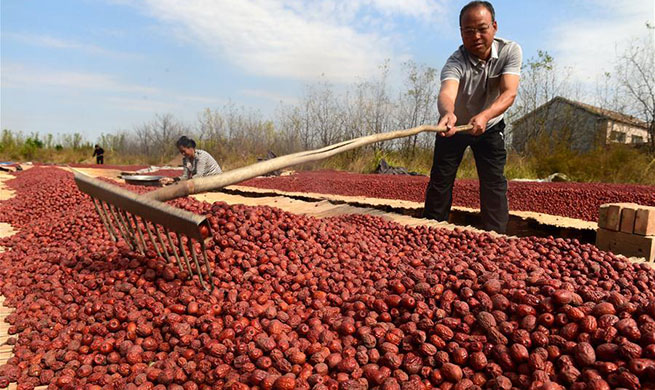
{"x": 203, "y": 164}
{"x": 479, "y": 80}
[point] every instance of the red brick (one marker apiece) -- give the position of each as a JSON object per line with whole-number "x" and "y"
{"x": 628, "y": 219}
{"x": 645, "y": 221}
{"x": 612, "y": 220}
{"x": 602, "y": 216}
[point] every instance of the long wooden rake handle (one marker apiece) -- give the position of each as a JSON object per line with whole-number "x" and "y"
{"x": 209, "y": 183}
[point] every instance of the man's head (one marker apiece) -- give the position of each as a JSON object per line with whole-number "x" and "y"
{"x": 97, "y": 146}
{"x": 477, "y": 23}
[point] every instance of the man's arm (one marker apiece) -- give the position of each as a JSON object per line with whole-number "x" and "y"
{"x": 509, "y": 84}
{"x": 446, "y": 105}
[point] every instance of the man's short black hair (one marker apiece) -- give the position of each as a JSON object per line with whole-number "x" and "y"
{"x": 476, "y": 4}
{"x": 186, "y": 142}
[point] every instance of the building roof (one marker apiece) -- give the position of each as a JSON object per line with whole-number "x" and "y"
{"x": 613, "y": 115}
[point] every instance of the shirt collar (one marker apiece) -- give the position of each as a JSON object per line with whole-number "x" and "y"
{"x": 475, "y": 61}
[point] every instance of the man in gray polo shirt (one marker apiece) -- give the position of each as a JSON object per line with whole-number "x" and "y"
{"x": 478, "y": 84}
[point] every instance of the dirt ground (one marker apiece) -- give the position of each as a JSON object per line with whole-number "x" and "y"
{"x": 5, "y": 231}
{"x": 5, "y": 193}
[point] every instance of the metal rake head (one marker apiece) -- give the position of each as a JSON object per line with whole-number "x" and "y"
{"x": 137, "y": 221}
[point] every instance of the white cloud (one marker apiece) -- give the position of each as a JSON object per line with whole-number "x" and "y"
{"x": 58, "y": 43}
{"x": 127, "y": 96}
{"x": 292, "y": 39}
{"x": 20, "y": 76}
{"x": 269, "y": 95}
{"x": 590, "y": 43}
{"x": 164, "y": 102}
{"x": 142, "y": 104}
{"x": 420, "y": 9}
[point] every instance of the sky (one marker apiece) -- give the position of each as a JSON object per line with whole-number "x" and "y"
{"x": 99, "y": 66}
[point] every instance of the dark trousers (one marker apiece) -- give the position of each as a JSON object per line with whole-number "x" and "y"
{"x": 100, "y": 160}
{"x": 490, "y": 157}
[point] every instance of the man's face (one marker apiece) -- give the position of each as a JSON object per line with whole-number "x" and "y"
{"x": 478, "y": 31}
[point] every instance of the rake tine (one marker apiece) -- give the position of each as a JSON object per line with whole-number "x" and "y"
{"x": 152, "y": 240}
{"x": 195, "y": 260}
{"x": 112, "y": 230}
{"x": 186, "y": 257}
{"x": 126, "y": 220}
{"x": 209, "y": 270}
{"x": 103, "y": 219}
{"x": 129, "y": 230}
{"x": 121, "y": 227}
{"x": 161, "y": 241}
{"x": 132, "y": 232}
{"x": 138, "y": 229}
{"x": 170, "y": 241}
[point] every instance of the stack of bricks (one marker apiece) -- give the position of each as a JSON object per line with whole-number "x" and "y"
{"x": 627, "y": 229}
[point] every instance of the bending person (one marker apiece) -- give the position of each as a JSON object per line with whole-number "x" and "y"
{"x": 196, "y": 162}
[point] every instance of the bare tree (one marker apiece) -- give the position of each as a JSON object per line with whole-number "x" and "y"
{"x": 635, "y": 72}
{"x": 211, "y": 126}
{"x": 115, "y": 142}
{"x": 541, "y": 80}
{"x": 291, "y": 124}
{"x": 368, "y": 109}
{"x": 606, "y": 95}
{"x": 325, "y": 113}
{"x": 156, "y": 138}
{"x": 418, "y": 104}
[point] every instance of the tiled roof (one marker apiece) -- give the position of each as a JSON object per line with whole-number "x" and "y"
{"x": 616, "y": 116}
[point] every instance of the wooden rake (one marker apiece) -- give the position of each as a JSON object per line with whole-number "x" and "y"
{"x": 145, "y": 221}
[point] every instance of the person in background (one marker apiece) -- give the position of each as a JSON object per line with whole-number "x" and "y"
{"x": 99, "y": 154}
{"x": 478, "y": 84}
{"x": 196, "y": 162}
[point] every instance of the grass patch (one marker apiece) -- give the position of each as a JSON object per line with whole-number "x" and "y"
{"x": 610, "y": 164}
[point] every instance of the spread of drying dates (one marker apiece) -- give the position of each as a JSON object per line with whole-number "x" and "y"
{"x": 574, "y": 200}
{"x": 350, "y": 302}
{"x": 106, "y": 166}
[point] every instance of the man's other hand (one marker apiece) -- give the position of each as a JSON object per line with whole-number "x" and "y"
{"x": 448, "y": 121}
{"x": 479, "y": 123}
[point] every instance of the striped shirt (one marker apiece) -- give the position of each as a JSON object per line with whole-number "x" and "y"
{"x": 203, "y": 164}
{"x": 479, "y": 80}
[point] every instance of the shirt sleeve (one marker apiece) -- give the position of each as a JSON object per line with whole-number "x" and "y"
{"x": 514, "y": 59}
{"x": 453, "y": 69}
{"x": 185, "y": 174}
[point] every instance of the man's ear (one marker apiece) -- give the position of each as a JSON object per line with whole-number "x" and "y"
{"x": 495, "y": 26}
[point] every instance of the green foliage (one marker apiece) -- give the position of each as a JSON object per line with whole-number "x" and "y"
{"x": 546, "y": 155}
{"x": 30, "y": 147}
{"x": 614, "y": 163}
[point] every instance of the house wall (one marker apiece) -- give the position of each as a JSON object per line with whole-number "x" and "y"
{"x": 559, "y": 119}
{"x": 628, "y": 130}
{"x": 586, "y": 130}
